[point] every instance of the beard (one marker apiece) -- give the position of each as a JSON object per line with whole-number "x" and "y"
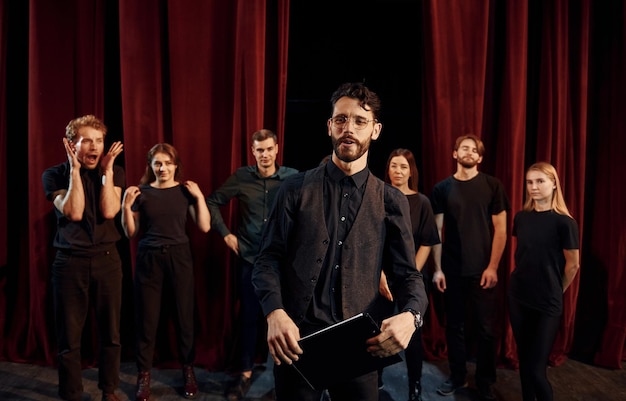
{"x": 348, "y": 155}
{"x": 468, "y": 162}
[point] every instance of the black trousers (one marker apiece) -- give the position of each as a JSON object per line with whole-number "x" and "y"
{"x": 290, "y": 386}
{"x": 251, "y": 316}
{"x": 414, "y": 355}
{"x": 534, "y": 334}
{"x": 464, "y": 297}
{"x": 76, "y": 280}
{"x": 157, "y": 270}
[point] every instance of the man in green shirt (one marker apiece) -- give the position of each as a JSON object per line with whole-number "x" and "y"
{"x": 254, "y": 187}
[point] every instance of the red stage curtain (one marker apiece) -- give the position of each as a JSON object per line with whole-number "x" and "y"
{"x": 537, "y": 80}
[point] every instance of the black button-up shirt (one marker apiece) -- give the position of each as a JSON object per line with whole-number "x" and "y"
{"x": 343, "y": 196}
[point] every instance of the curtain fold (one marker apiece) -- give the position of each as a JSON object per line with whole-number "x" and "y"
{"x": 511, "y": 109}
{"x": 4, "y": 207}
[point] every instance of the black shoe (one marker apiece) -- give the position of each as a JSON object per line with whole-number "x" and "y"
{"x": 239, "y": 389}
{"x": 381, "y": 385}
{"x": 415, "y": 391}
{"x": 449, "y": 387}
{"x": 415, "y": 397}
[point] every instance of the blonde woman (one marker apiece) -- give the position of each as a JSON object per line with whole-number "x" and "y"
{"x": 546, "y": 262}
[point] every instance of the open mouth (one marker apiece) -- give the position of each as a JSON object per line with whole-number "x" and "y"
{"x": 347, "y": 141}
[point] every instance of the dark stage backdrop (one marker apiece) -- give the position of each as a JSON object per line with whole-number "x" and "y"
{"x": 537, "y": 80}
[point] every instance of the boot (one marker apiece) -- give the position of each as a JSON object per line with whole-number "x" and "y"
{"x": 143, "y": 386}
{"x": 191, "y": 385}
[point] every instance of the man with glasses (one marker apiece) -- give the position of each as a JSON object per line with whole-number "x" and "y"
{"x": 331, "y": 231}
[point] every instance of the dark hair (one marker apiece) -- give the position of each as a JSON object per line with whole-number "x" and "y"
{"x": 408, "y": 155}
{"x": 263, "y": 134}
{"x": 368, "y": 100}
{"x": 169, "y": 150}
{"x": 72, "y": 128}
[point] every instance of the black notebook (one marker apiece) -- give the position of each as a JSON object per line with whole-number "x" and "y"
{"x": 338, "y": 352}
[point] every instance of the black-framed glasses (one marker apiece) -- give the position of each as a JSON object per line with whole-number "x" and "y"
{"x": 358, "y": 121}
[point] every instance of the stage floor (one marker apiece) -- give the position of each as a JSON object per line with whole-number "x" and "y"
{"x": 571, "y": 381}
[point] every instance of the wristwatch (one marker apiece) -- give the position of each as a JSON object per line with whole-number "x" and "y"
{"x": 418, "y": 317}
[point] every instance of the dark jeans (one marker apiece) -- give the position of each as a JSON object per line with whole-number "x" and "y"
{"x": 464, "y": 295}
{"x": 76, "y": 280}
{"x": 290, "y": 386}
{"x": 158, "y": 270}
{"x": 534, "y": 334}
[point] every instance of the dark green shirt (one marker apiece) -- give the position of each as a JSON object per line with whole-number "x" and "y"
{"x": 255, "y": 195}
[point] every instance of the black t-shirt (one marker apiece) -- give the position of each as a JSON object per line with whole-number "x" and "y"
{"x": 163, "y": 215}
{"x": 422, "y": 221}
{"x": 537, "y": 280}
{"x": 468, "y": 207}
{"x": 93, "y": 233}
